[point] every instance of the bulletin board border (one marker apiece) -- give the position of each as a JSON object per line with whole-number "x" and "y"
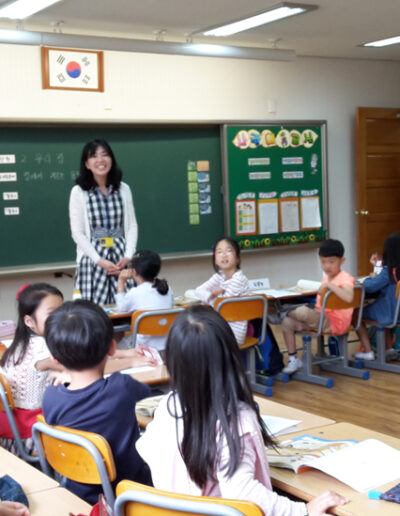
{"x": 229, "y": 230}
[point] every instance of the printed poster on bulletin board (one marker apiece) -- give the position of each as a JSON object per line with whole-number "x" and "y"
{"x": 275, "y": 183}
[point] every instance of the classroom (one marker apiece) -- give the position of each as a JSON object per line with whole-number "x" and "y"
{"x": 161, "y": 88}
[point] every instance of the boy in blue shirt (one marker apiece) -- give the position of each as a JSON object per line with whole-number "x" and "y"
{"x": 80, "y": 337}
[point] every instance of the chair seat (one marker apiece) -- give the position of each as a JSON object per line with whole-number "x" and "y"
{"x": 248, "y": 343}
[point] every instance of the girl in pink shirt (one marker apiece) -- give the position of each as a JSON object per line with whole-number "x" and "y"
{"x": 207, "y": 437}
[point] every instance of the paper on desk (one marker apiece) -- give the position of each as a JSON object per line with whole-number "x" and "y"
{"x": 280, "y": 425}
{"x": 133, "y": 370}
{"x": 302, "y": 287}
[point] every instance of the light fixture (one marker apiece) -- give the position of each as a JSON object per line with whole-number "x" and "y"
{"x": 20, "y": 9}
{"x": 274, "y": 13}
{"x": 383, "y": 42}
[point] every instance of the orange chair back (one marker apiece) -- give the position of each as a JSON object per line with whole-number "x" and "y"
{"x": 6, "y": 386}
{"x": 140, "y": 509}
{"x": 333, "y": 302}
{"x": 241, "y": 308}
{"x": 73, "y": 461}
{"x": 154, "y": 322}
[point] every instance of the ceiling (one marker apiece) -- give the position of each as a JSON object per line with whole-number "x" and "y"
{"x": 335, "y": 29}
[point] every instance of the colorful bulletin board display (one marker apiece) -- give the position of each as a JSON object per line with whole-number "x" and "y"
{"x": 275, "y": 179}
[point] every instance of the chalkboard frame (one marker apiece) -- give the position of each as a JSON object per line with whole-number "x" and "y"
{"x": 228, "y": 213}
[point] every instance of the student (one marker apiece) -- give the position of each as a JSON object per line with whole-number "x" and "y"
{"x": 13, "y": 509}
{"x": 331, "y": 254}
{"x": 207, "y": 437}
{"x": 384, "y": 286}
{"x": 26, "y": 364}
{"x": 228, "y": 281}
{"x": 151, "y": 292}
{"x": 80, "y": 337}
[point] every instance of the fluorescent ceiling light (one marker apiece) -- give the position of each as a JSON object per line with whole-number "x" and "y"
{"x": 21, "y": 9}
{"x": 383, "y": 42}
{"x": 278, "y": 12}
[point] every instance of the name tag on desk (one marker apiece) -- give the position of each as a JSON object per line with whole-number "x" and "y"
{"x": 106, "y": 242}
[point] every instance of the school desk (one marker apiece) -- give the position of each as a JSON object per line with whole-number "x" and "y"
{"x": 57, "y": 501}
{"x": 308, "y": 420}
{"x": 156, "y": 376}
{"x": 312, "y": 482}
{"x": 31, "y": 479}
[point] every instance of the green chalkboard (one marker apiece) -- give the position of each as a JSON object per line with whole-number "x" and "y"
{"x": 275, "y": 181}
{"x": 175, "y": 213}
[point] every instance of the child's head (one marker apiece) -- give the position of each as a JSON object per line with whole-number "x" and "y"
{"x": 226, "y": 254}
{"x": 35, "y": 303}
{"x": 93, "y": 149}
{"x": 331, "y": 255}
{"x": 201, "y": 341}
{"x": 147, "y": 265}
{"x": 391, "y": 256}
{"x": 79, "y": 335}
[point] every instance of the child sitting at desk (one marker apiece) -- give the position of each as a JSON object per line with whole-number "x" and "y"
{"x": 331, "y": 254}
{"x": 207, "y": 437}
{"x": 384, "y": 306}
{"x": 80, "y": 337}
{"x": 229, "y": 280}
{"x": 26, "y": 364}
{"x": 151, "y": 292}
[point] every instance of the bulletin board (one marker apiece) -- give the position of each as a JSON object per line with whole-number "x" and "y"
{"x": 275, "y": 178}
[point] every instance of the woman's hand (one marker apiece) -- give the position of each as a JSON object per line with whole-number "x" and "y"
{"x": 13, "y": 509}
{"x": 108, "y": 266}
{"x": 318, "y": 506}
{"x": 123, "y": 263}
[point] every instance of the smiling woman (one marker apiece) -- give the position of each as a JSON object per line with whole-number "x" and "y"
{"x": 103, "y": 223}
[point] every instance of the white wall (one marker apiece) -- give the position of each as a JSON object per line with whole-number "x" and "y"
{"x": 157, "y": 87}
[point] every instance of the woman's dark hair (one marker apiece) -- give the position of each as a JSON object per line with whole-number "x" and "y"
{"x": 391, "y": 256}
{"x": 202, "y": 342}
{"x": 235, "y": 246}
{"x": 28, "y": 301}
{"x": 148, "y": 265}
{"x": 85, "y": 179}
{"x": 79, "y": 334}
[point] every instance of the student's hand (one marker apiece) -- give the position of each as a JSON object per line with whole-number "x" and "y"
{"x": 123, "y": 263}
{"x": 13, "y": 509}
{"x": 108, "y": 266}
{"x": 217, "y": 291}
{"x": 322, "y": 288}
{"x": 320, "y": 505}
{"x": 126, "y": 274}
{"x": 140, "y": 359}
{"x": 374, "y": 258}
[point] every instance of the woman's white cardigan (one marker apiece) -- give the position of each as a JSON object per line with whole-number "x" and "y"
{"x": 80, "y": 228}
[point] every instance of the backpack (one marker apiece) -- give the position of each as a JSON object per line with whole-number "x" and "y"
{"x": 269, "y": 359}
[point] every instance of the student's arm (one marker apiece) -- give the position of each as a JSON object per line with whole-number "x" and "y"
{"x": 13, "y": 509}
{"x": 204, "y": 291}
{"x": 48, "y": 364}
{"x": 125, "y": 301}
{"x": 344, "y": 292}
{"x": 372, "y": 285}
{"x": 137, "y": 356}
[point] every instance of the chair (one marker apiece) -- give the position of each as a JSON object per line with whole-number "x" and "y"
{"x": 77, "y": 455}
{"x": 235, "y": 309}
{"x": 380, "y": 360}
{"x": 333, "y": 363}
{"x": 135, "y": 499}
{"x": 153, "y": 322}
{"x": 7, "y": 405}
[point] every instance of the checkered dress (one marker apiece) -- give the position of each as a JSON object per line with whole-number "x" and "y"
{"x": 106, "y": 215}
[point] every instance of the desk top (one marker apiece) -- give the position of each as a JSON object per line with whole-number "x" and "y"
{"x": 308, "y": 420}
{"x": 31, "y": 479}
{"x": 157, "y": 375}
{"x": 312, "y": 482}
{"x": 57, "y": 501}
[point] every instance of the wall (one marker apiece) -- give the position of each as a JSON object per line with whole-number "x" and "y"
{"x": 156, "y": 87}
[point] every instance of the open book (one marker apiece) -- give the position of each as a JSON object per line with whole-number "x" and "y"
{"x": 302, "y": 287}
{"x": 361, "y": 465}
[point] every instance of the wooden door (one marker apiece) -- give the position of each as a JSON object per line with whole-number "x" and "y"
{"x": 378, "y": 180}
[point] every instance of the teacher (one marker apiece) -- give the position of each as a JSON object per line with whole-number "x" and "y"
{"x": 103, "y": 223}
